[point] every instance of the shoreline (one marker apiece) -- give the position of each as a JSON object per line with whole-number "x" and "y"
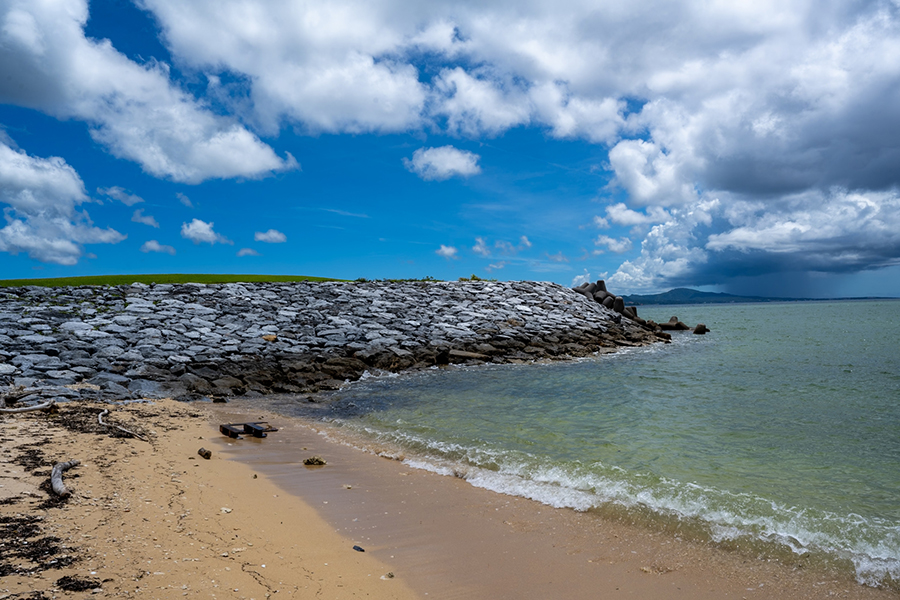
{"x": 149, "y": 520}
{"x": 448, "y": 538}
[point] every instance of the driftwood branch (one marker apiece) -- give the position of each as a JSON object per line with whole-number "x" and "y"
{"x": 56, "y": 482}
{"x": 14, "y": 395}
{"x": 42, "y": 406}
{"x": 131, "y": 433}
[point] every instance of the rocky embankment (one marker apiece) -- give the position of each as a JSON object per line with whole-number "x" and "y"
{"x": 598, "y": 293}
{"x": 190, "y": 341}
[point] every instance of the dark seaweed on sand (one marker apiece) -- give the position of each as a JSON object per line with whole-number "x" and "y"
{"x": 77, "y": 584}
{"x": 22, "y": 550}
{"x": 84, "y": 419}
{"x": 31, "y": 458}
{"x": 23, "y": 547}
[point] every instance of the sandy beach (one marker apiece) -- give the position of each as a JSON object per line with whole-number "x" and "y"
{"x": 155, "y": 520}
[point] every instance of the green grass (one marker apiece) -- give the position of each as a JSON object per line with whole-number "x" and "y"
{"x": 162, "y": 278}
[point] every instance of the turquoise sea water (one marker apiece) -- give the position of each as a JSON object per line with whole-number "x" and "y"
{"x": 778, "y": 432}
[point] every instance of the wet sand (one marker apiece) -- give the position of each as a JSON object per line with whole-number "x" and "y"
{"x": 447, "y": 539}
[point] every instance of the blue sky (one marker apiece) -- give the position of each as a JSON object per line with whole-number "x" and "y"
{"x": 750, "y": 149}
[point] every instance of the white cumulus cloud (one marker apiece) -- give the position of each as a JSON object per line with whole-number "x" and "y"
{"x": 43, "y": 220}
{"x": 558, "y": 257}
{"x": 134, "y": 110}
{"x": 503, "y": 247}
{"x": 620, "y": 214}
{"x": 328, "y": 67}
{"x": 446, "y": 251}
{"x": 202, "y": 232}
{"x": 614, "y": 245}
{"x": 140, "y": 217}
{"x": 443, "y": 163}
{"x": 122, "y": 195}
{"x": 272, "y": 236}
{"x": 184, "y": 200}
{"x": 247, "y": 252}
{"x": 154, "y": 246}
{"x": 474, "y": 105}
{"x": 583, "y": 278}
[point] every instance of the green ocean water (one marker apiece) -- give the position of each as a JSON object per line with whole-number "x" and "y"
{"x": 778, "y": 430}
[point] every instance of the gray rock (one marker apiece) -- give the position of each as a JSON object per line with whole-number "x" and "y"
{"x": 464, "y": 355}
{"x": 229, "y": 385}
{"x": 116, "y": 389}
{"x": 6, "y": 369}
{"x": 125, "y": 320}
{"x": 64, "y": 374}
{"x": 36, "y": 339}
{"x": 116, "y": 329}
{"x": 109, "y": 352}
{"x": 51, "y": 363}
{"x": 104, "y": 377}
{"x": 330, "y": 384}
{"x": 91, "y": 334}
{"x": 195, "y": 384}
{"x": 130, "y": 356}
{"x": 156, "y": 389}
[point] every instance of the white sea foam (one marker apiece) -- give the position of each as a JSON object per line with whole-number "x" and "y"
{"x": 378, "y": 375}
{"x": 873, "y": 547}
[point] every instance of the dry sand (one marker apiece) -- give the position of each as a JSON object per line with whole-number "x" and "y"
{"x": 155, "y": 520}
{"x": 158, "y": 521}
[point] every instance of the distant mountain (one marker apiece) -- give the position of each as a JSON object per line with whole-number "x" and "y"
{"x": 689, "y": 296}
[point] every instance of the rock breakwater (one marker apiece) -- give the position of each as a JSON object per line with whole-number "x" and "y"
{"x": 597, "y": 292}
{"x": 191, "y": 340}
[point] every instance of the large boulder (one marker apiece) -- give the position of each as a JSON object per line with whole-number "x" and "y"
{"x": 583, "y": 290}
{"x": 228, "y": 386}
{"x": 195, "y": 384}
{"x": 674, "y": 325}
{"x": 701, "y": 329}
{"x": 343, "y": 367}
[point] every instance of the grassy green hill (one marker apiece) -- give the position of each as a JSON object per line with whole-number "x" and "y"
{"x": 158, "y": 278}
